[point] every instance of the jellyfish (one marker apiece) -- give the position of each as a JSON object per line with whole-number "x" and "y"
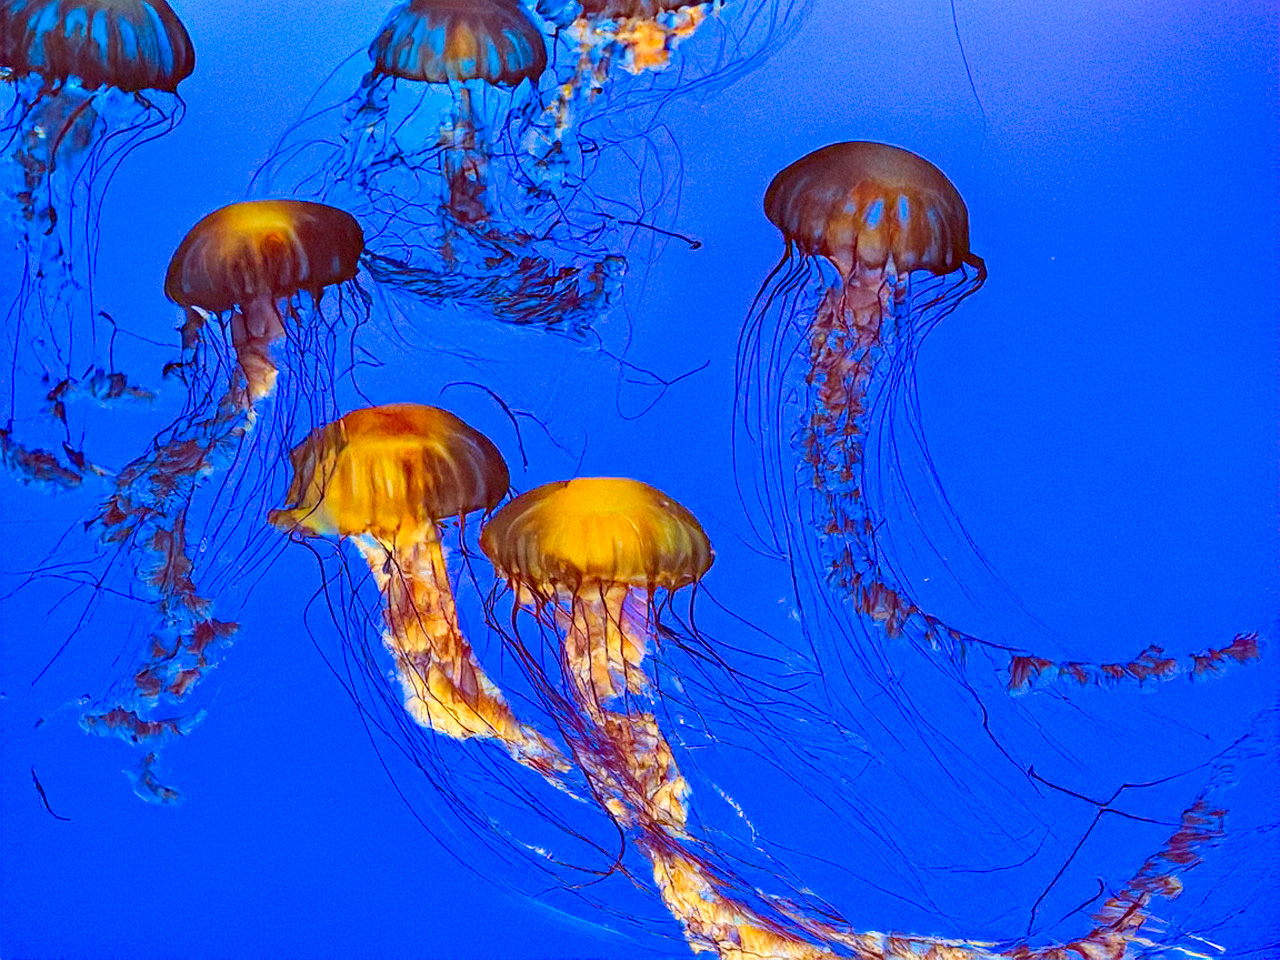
{"x": 85, "y": 84}
{"x": 387, "y": 479}
{"x": 635, "y": 36}
{"x": 430, "y": 158}
{"x": 256, "y": 376}
{"x": 597, "y": 564}
{"x": 245, "y": 258}
{"x": 595, "y": 560}
{"x": 877, "y": 253}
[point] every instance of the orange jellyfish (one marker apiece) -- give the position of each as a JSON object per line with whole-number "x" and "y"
{"x": 877, "y": 253}
{"x": 387, "y": 479}
{"x": 596, "y": 562}
{"x": 82, "y": 83}
{"x": 236, "y": 267}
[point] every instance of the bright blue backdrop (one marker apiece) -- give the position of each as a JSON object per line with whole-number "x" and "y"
{"x": 1103, "y": 414}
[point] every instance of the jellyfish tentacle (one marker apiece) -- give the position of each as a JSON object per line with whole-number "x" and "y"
{"x": 445, "y": 688}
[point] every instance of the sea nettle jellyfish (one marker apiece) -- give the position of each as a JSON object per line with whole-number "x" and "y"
{"x": 82, "y": 84}
{"x": 387, "y": 480}
{"x": 621, "y": 55}
{"x": 430, "y": 157}
{"x": 596, "y": 563}
{"x": 262, "y": 365}
{"x": 877, "y": 253}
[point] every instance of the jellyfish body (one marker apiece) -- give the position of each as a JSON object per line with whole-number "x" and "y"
{"x": 877, "y": 252}
{"x": 430, "y": 156}
{"x": 247, "y": 257}
{"x": 89, "y": 80}
{"x": 231, "y": 273}
{"x": 388, "y": 478}
{"x": 596, "y": 559}
{"x": 596, "y": 562}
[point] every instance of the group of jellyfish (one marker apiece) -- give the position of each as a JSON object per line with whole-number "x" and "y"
{"x": 477, "y": 188}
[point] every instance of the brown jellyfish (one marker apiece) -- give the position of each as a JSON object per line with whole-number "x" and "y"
{"x": 387, "y": 479}
{"x": 877, "y": 252}
{"x": 248, "y": 256}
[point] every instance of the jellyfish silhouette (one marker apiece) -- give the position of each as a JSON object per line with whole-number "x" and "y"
{"x": 231, "y": 273}
{"x": 877, "y": 253}
{"x": 86, "y": 83}
{"x": 430, "y": 159}
{"x": 387, "y": 479}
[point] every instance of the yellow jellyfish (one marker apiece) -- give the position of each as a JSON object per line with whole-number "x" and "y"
{"x": 591, "y": 556}
{"x": 597, "y": 560}
{"x": 388, "y": 478}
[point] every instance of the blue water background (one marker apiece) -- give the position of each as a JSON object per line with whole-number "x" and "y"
{"x": 1102, "y": 413}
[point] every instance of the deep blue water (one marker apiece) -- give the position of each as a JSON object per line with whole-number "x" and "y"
{"x": 1102, "y": 414}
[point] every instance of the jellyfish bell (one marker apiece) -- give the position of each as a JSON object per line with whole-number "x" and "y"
{"x": 392, "y": 472}
{"x": 132, "y": 45}
{"x": 872, "y": 207}
{"x": 85, "y": 82}
{"x": 494, "y": 41}
{"x": 598, "y": 530}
